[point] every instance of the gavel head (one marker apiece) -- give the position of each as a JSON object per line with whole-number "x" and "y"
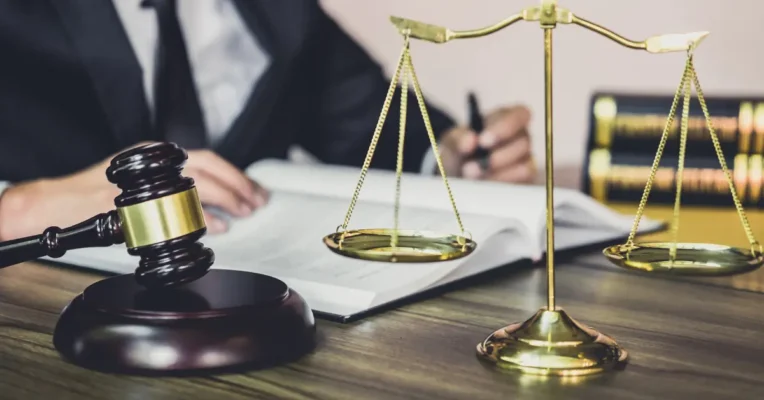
{"x": 160, "y": 214}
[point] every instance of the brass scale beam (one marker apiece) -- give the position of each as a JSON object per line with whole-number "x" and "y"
{"x": 548, "y": 14}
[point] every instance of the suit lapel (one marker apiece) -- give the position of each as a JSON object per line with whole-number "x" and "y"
{"x": 250, "y": 126}
{"x": 97, "y": 35}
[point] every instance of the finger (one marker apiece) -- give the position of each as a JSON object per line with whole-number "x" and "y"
{"x": 472, "y": 170}
{"x": 504, "y": 125}
{"x": 461, "y": 140}
{"x": 523, "y": 172}
{"x": 262, "y": 195}
{"x": 227, "y": 174}
{"x": 467, "y": 142}
{"x": 214, "y": 224}
{"x": 510, "y": 153}
{"x": 213, "y": 192}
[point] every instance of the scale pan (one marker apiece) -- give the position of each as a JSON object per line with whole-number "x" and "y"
{"x": 413, "y": 246}
{"x": 691, "y": 258}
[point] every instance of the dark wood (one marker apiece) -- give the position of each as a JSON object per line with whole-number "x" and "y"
{"x": 685, "y": 339}
{"x": 99, "y": 231}
{"x": 174, "y": 262}
{"x": 146, "y": 173}
{"x": 225, "y": 320}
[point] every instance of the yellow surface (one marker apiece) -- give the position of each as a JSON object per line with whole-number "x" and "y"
{"x": 701, "y": 224}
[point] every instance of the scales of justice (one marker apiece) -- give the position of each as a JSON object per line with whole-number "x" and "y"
{"x": 550, "y": 342}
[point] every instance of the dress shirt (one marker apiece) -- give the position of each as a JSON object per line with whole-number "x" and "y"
{"x": 226, "y": 59}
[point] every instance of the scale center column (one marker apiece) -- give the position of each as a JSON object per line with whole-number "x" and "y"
{"x": 548, "y": 21}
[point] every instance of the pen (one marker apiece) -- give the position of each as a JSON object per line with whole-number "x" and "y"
{"x": 476, "y": 123}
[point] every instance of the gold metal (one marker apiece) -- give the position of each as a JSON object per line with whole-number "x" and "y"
{"x": 439, "y": 34}
{"x": 695, "y": 258}
{"x": 161, "y": 219}
{"x": 549, "y": 166}
{"x": 605, "y": 111}
{"x": 655, "y": 44}
{"x": 399, "y": 161}
{"x": 745, "y": 126}
{"x": 412, "y": 246}
{"x": 551, "y": 343}
{"x": 699, "y": 259}
{"x": 758, "y": 128}
{"x": 756, "y": 178}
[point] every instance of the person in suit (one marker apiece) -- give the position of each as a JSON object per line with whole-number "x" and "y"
{"x": 232, "y": 81}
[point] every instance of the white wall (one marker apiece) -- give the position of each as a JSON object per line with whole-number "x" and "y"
{"x": 507, "y": 67}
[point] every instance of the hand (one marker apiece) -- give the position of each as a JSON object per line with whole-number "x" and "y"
{"x": 505, "y": 138}
{"x": 222, "y": 185}
{"x": 28, "y": 208}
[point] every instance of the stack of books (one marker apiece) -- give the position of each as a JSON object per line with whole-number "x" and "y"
{"x": 624, "y": 137}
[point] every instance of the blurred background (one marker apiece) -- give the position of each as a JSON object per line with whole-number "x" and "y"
{"x": 507, "y": 67}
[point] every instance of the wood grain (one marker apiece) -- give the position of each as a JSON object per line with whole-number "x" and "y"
{"x": 686, "y": 338}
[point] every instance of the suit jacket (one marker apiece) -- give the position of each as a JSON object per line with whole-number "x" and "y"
{"x": 71, "y": 91}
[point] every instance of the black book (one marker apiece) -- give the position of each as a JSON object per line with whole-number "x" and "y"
{"x": 624, "y": 136}
{"x": 622, "y": 177}
{"x": 635, "y": 123}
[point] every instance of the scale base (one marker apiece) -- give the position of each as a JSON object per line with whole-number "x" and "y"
{"x": 413, "y": 246}
{"x": 551, "y": 343}
{"x": 224, "y": 321}
{"x": 699, "y": 259}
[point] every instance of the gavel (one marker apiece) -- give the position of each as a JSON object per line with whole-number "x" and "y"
{"x": 158, "y": 216}
{"x": 175, "y": 313}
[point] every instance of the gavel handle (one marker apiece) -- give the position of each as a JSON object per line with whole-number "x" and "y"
{"x": 100, "y": 231}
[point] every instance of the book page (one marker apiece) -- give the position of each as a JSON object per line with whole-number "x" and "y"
{"x": 284, "y": 239}
{"x": 524, "y": 203}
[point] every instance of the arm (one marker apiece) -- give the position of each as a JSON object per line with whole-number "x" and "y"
{"x": 29, "y": 207}
{"x": 344, "y": 90}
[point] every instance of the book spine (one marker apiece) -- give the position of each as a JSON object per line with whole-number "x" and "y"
{"x": 625, "y": 132}
{"x": 636, "y": 123}
{"x": 623, "y": 178}
{"x": 756, "y": 181}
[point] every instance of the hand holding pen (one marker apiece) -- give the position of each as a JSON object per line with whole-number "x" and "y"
{"x": 494, "y": 147}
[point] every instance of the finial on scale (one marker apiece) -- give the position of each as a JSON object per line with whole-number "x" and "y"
{"x": 674, "y": 42}
{"x": 420, "y": 30}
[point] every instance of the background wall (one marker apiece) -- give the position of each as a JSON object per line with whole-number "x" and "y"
{"x": 507, "y": 67}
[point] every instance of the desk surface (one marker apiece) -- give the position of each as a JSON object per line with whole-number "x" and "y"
{"x": 687, "y": 338}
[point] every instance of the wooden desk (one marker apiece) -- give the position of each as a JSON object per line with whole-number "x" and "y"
{"x": 687, "y": 338}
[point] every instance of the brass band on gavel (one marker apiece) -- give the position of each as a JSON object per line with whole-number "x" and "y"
{"x": 162, "y": 219}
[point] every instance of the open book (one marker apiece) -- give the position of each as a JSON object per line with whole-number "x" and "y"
{"x": 285, "y": 238}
